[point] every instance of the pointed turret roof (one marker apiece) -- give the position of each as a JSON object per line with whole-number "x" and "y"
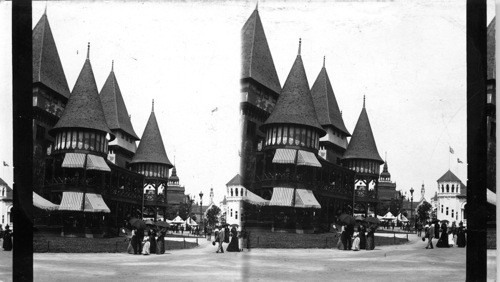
{"x": 114, "y": 107}
{"x": 174, "y": 176}
{"x": 84, "y": 108}
{"x": 256, "y": 59}
{"x": 295, "y": 104}
{"x": 490, "y": 53}
{"x": 151, "y": 148}
{"x": 325, "y": 103}
{"x": 385, "y": 172}
{"x": 47, "y": 67}
{"x": 236, "y": 181}
{"x": 362, "y": 144}
{"x": 449, "y": 177}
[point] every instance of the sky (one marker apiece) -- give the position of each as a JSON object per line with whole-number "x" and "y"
{"x": 407, "y": 57}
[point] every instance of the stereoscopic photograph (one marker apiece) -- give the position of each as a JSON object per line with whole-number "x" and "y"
{"x": 253, "y": 140}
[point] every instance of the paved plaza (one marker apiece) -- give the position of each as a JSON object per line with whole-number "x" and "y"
{"x": 410, "y": 262}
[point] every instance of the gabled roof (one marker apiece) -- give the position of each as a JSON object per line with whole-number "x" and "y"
{"x": 362, "y": 144}
{"x": 490, "y": 53}
{"x": 47, "y": 67}
{"x": 295, "y": 104}
{"x": 449, "y": 177}
{"x": 151, "y": 148}
{"x": 114, "y": 107}
{"x": 325, "y": 103}
{"x": 256, "y": 59}
{"x": 84, "y": 108}
{"x": 236, "y": 181}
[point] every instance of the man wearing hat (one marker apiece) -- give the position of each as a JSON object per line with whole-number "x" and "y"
{"x": 431, "y": 236}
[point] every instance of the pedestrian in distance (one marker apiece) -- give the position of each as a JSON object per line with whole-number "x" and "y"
{"x": 147, "y": 245}
{"x": 461, "y": 239}
{"x": 362, "y": 237}
{"x": 430, "y": 235}
{"x": 7, "y": 239}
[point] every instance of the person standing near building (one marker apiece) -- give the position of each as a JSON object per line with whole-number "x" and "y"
{"x": 220, "y": 240}
{"x": 430, "y": 235}
{"x": 7, "y": 239}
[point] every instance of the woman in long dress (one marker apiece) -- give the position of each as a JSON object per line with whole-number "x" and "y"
{"x": 233, "y": 245}
{"x": 461, "y": 241}
{"x": 152, "y": 240}
{"x": 370, "y": 238}
{"x": 362, "y": 237}
{"x": 355, "y": 242}
{"x": 145, "y": 248}
{"x": 443, "y": 240}
{"x": 160, "y": 244}
{"x": 7, "y": 239}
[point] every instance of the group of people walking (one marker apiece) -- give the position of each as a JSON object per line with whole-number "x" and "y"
{"x": 222, "y": 235}
{"x": 149, "y": 241}
{"x": 363, "y": 239}
{"x": 454, "y": 236}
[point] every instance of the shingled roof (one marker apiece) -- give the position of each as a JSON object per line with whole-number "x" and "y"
{"x": 362, "y": 144}
{"x": 235, "y": 181}
{"x": 47, "y": 67}
{"x": 114, "y": 107}
{"x": 256, "y": 59}
{"x": 325, "y": 103}
{"x": 490, "y": 53}
{"x": 84, "y": 108}
{"x": 295, "y": 104}
{"x": 151, "y": 148}
{"x": 449, "y": 177}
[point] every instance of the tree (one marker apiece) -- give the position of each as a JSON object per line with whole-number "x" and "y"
{"x": 185, "y": 209}
{"x": 213, "y": 215}
{"x": 424, "y": 211}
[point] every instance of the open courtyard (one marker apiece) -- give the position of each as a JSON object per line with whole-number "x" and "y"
{"x": 408, "y": 262}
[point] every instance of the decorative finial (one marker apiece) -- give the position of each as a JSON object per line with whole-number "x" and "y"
{"x": 386, "y": 156}
{"x": 88, "y": 50}
{"x": 300, "y": 44}
{"x": 153, "y": 107}
{"x": 364, "y": 101}
{"x": 45, "y": 11}
{"x": 112, "y": 65}
{"x": 257, "y": 6}
{"x": 324, "y": 58}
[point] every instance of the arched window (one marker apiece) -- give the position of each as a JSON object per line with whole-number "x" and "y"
{"x": 447, "y": 188}
{"x": 442, "y": 188}
{"x": 231, "y": 212}
{"x": 236, "y": 214}
{"x": 452, "y": 189}
{"x": 241, "y": 192}
{"x": 452, "y": 213}
{"x": 231, "y": 192}
{"x": 442, "y": 208}
{"x": 236, "y": 191}
{"x": 446, "y": 210}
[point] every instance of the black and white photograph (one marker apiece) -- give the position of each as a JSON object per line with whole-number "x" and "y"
{"x": 251, "y": 140}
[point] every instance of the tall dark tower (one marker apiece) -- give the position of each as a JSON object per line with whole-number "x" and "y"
{"x": 291, "y": 147}
{"x": 81, "y": 146}
{"x": 151, "y": 161}
{"x": 50, "y": 95}
{"x": 334, "y": 143}
{"x": 362, "y": 156}
{"x": 123, "y": 148}
{"x": 260, "y": 88}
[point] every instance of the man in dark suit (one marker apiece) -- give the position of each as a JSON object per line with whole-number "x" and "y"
{"x": 431, "y": 236}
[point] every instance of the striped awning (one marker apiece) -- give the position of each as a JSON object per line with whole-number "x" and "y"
{"x": 77, "y": 160}
{"x": 282, "y": 197}
{"x": 305, "y": 199}
{"x": 95, "y": 203}
{"x": 97, "y": 163}
{"x": 42, "y": 203}
{"x": 74, "y": 160}
{"x": 72, "y": 201}
{"x": 307, "y": 158}
{"x": 254, "y": 199}
{"x": 284, "y": 156}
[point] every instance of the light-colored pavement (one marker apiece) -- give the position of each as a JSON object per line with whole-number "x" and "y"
{"x": 410, "y": 262}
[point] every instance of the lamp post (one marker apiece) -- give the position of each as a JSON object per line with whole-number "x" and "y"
{"x": 411, "y": 206}
{"x": 201, "y": 213}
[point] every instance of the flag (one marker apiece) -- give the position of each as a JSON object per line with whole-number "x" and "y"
{"x": 451, "y": 150}
{"x": 459, "y": 161}
{"x": 5, "y": 164}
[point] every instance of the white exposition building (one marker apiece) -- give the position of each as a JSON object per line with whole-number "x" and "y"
{"x": 451, "y": 198}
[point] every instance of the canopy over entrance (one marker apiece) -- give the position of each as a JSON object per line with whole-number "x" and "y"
{"x": 44, "y": 204}
{"x": 72, "y": 201}
{"x": 77, "y": 160}
{"x": 284, "y": 197}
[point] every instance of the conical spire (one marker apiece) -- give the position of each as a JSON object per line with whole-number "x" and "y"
{"x": 47, "y": 67}
{"x": 325, "y": 102}
{"x": 257, "y": 61}
{"x": 295, "y": 104}
{"x": 84, "y": 108}
{"x": 151, "y": 148}
{"x": 362, "y": 144}
{"x": 114, "y": 107}
{"x": 174, "y": 177}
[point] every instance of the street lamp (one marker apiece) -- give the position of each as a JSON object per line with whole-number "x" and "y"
{"x": 411, "y": 206}
{"x": 201, "y": 212}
